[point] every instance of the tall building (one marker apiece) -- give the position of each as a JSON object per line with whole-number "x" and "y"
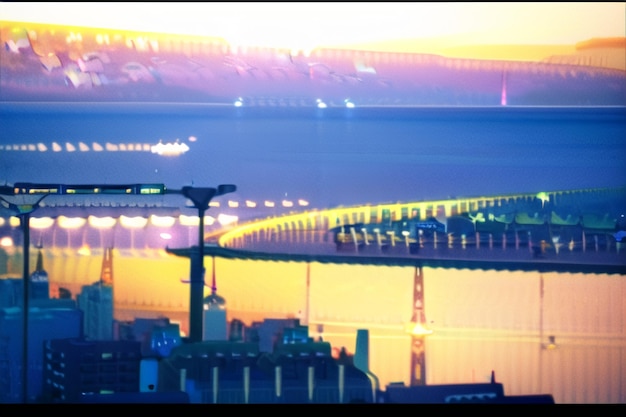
{"x": 39, "y": 284}
{"x": 96, "y": 301}
{"x": 215, "y": 324}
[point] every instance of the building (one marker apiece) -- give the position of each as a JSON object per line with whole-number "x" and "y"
{"x": 215, "y": 324}
{"x": 96, "y": 301}
{"x": 77, "y": 367}
{"x": 296, "y": 371}
{"x": 47, "y": 318}
{"x": 43, "y": 324}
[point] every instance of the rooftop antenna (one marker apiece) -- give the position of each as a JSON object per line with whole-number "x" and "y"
{"x": 213, "y": 279}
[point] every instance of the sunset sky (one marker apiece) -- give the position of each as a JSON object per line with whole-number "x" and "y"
{"x": 308, "y": 25}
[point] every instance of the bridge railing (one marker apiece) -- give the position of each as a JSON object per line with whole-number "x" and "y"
{"x": 398, "y": 223}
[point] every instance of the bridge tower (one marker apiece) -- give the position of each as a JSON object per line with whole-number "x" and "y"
{"x": 418, "y": 331}
{"x": 106, "y": 273}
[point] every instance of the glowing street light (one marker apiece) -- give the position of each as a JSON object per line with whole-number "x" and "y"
{"x": 200, "y": 197}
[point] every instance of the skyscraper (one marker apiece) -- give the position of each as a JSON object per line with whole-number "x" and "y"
{"x": 215, "y": 325}
{"x": 96, "y": 302}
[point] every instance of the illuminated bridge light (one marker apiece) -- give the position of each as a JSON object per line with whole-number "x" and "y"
{"x": 101, "y": 222}
{"x": 162, "y": 221}
{"x": 136, "y": 222}
{"x": 287, "y": 203}
{"x": 320, "y": 104}
{"x": 41, "y": 222}
{"x": 170, "y": 149}
{"x": 226, "y": 219}
{"x": 71, "y": 222}
{"x": 544, "y": 197}
{"x": 188, "y": 220}
{"x": 303, "y": 203}
{"x": 269, "y": 203}
{"x": 250, "y": 204}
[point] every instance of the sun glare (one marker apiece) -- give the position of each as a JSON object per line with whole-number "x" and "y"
{"x": 305, "y": 26}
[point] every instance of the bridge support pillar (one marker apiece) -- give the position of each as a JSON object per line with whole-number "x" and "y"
{"x": 418, "y": 331}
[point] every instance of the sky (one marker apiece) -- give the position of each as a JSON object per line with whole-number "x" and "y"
{"x": 308, "y": 25}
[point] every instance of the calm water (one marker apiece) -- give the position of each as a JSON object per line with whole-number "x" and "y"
{"x": 328, "y": 157}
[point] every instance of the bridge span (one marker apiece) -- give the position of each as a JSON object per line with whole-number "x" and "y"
{"x": 567, "y": 231}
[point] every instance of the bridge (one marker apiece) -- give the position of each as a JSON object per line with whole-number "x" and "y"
{"x": 573, "y": 231}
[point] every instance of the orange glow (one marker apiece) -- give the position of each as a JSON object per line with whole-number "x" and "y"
{"x": 418, "y": 329}
{"x": 452, "y": 29}
{"x": 84, "y": 250}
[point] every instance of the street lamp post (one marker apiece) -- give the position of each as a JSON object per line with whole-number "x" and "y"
{"x": 200, "y": 198}
{"x": 23, "y": 211}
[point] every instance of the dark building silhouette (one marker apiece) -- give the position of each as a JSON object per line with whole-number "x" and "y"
{"x": 77, "y": 367}
{"x": 47, "y": 318}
